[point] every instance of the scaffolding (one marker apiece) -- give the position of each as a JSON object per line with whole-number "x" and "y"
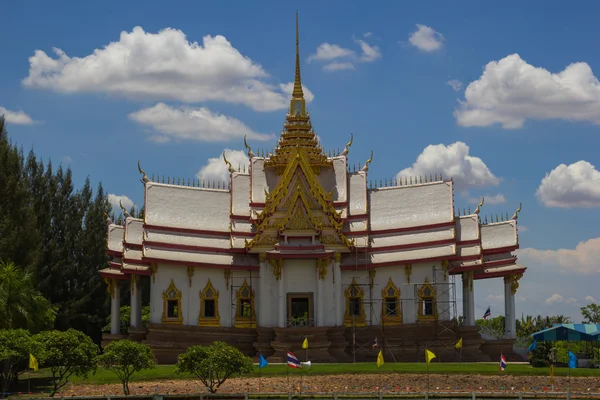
{"x": 237, "y": 282}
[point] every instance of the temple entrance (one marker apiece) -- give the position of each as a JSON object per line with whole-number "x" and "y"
{"x": 300, "y": 310}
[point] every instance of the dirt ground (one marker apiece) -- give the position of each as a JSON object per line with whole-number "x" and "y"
{"x": 353, "y": 383}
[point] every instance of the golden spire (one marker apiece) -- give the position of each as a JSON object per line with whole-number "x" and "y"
{"x": 297, "y": 93}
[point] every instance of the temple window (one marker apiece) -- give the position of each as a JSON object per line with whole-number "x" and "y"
{"x": 355, "y": 310}
{"x": 391, "y": 305}
{"x": 245, "y": 315}
{"x": 427, "y": 302}
{"x": 172, "y": 305}
{"x": 209, "y": 306}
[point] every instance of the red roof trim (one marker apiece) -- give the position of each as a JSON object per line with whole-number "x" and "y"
{"x": 113, "y": 264}
{"x": 240, "y": 217}
{"x": 400, "y": 230}
{"x": 500, "y": 263}
{"x": 357, "y": 216}
{"x": 458, "y": 270}
{"x": 137, "y": 272}
{"x": 325, "y": 254}
{"x": 205, "y": 249}
{"x": 468, "y": 242}
{"x": 112, "y": 276}
{"x": 410, "y": 246}
{"x": 206, "y": 265}
{"x": 288, "y": 247}
{"x": 340, "y": 203}
{"x": 500, "y": 250}
{"x": 257, "y": 204}
{"x": 466, "y": 258}
{"x": 186, "y": 230}
{"x": 114, "y": 253}
{"x": 247, "y": 234}
{"x": 499, "y": 274}
{"x": 393, "y": 263}
{"x": 132, "y": 261}
{"x": 132, "y": 246}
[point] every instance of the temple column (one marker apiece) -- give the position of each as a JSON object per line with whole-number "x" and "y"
{"x": 263, "y": 301}
{"x": 465, "y": 298}
{"x": 338, "y": 302}
{"x": 468, "y": 299}
{"x": 135, "y": 318}
{"x": 115, "y": 306}
{"x": 281, "y": 300}
{"x": 510, "y": 323}
{"x": 321, "y": 263}
{"x": 471, "y": 300}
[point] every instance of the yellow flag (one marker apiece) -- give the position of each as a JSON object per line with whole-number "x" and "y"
{"x": 33, "y": 362}
{"x": 305, "y": 343}
{"x": 429, "y": 356}
{"x": 380, "y": 359}
{"x": 458, "y": 344}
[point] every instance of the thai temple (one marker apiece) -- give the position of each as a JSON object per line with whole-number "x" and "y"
{"x": 301, "y": 245}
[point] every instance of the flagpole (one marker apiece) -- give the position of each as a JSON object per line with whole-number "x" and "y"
{"x": 427, "y": 363}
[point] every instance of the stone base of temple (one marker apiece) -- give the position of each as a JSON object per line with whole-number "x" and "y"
{"x": 291, "y": 339}
{"x": 137, "y": 334}
{"x": 168, "y": 341}
{"x": 493, "y": 348}
{"x": 109, "y": 337}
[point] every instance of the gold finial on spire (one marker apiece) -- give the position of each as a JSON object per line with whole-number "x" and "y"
{"x": 250, "y": 152}
{"x": 516, "y": 214}
{"x": 144, "y": 176}
{"x": 229, "y": 167}
{"x": 366, "y": 167}
{"x": 347, "y": 148}
{"x": 297, "y": 93}
{"x": 479, "y": 206}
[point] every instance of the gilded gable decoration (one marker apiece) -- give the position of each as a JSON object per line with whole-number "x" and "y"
{"x": 245, "y": 316}
{"x": 110, "y": 287}
{"x": 209, "y": 306}
{"x": 427, "y": 309}
{"x": 355, "y": 308}
{"x": 277, "y": 264}
{"x": 322, "y": 264}
{"x": 172, "y": 313}
{"x": 391, "y": 306}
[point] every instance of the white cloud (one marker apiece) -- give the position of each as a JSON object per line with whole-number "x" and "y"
{"x": 426, "y": 38}
{"x": 510, "y": 91}
{"x": 338, "y": 66}
{"x": 495, "y": 298}
{"x": 590, "y": 299}
{"x": 489, "y": 199}
{"x": 327, "y": 52}
{"x": 339, "y": 58}
{"x": 114, "y": 200}
{"x": 455, "y": 84}
{"x": 162, "y": 66}
{"x": 192, "y": 124}
{"x": 583, "y": 259}
{"x": 571, "y": 300}
{"x": 575, "y": 185}
{"x": 522, "y": 229}
{"x": 453, "y": 161}
{"x": 216, "y": 169}
{"x": 555, "y": 298}
{"x": 16, "y": 117}
{"x": 67, "y": 160}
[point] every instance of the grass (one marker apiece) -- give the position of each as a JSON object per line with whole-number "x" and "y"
{"x": 164, "y": 372}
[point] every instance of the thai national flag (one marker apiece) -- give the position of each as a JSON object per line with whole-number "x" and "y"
{"x": 292, "y": 360}
{"x": 374, "y": 344}
{"x": 502, "y": 363}
{"x": 487, "y": 313}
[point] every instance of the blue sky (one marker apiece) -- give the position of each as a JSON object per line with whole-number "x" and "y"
{"x": 525, "y": 101}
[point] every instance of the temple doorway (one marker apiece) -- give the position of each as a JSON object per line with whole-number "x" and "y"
{"x": 300, "y": 310}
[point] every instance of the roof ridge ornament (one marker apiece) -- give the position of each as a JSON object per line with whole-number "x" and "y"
{"x": 125, "y": 213}
{"x": 516, "y": 214}
{"x": 229, "y": 167}
{"x": 366, "y": 167}
{"x": 297, "y": 92}
{"x": 478, "y": 209}
{"x": 250, "y": 152}
{"x": 347, "y": 148}
{"x": 144, "y": 176}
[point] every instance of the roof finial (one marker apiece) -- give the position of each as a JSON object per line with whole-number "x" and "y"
{"x": 229, "y": 167}
{"x": 347, "y": 148}
{"x": 479, "y": 206}
{"x": 144, "y": 176}
{"x": 366, "y": 167}
{"x": 516, "y": 214}
{"x": 250, "y": 152}
{"x": 297, "y": 93}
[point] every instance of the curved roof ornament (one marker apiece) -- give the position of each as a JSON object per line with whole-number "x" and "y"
{"x": 125, "y": 212}
{"x": 366, "y": 167}
{"x": 144, "y": 176}
{"x": 229, "y": 167}
{"x": 478, "y": 209}
{"x": 347, "y": 148}
{"x": 516, "y": 214}
{"x": 250, "y": 152}
{"x": 108, "y": 220}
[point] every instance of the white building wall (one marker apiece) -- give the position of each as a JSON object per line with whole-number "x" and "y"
{"x": 270, "y": 304}
{"x": 300, "y": 276}
{"x": 240, "y": 193}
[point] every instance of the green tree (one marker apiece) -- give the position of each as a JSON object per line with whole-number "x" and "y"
{"x": 213, "y": 364}
{"x": 591, "y": 314}
{"x": 125, "y": 358}
{"x": 15, "y": 347}
{"x": 21, "y": 304}
{"x": 68, "y": 353}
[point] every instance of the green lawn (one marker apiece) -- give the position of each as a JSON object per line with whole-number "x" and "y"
{"x": 167, "y": 371}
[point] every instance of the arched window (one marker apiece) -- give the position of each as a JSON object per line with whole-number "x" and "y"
{"x": 172, "y": 313}
{"x": 427, "y": 302}
{"x": 209, "y": 306}
{"x": 244, "y": 314}
{"x": 391, "y": 307}
{"x": 355, "y": 310}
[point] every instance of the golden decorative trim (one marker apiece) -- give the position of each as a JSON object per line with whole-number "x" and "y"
{"x": 227, "y": 275}
{"x": 427, "y": 293}
{"x": 337, "y": 257}
{"x": 277, "y": 264}
{"x": 110, "y": 287}
{"x": 190, "y": 274}
{"x": 514, "y": 282}
{"x": 408, "y": 272}
{"x": 391, "y": 292}
{"x": 354, "y": 292}
{"x": 366, "y": 166}
{"x": 209, "y": 293}
{"x": 347, "y": 148}
{"x": 262, "y": 257}
{"x": 172, "y": 294}
{"x": 322, "y": 264}
{"x": 245, "y": 316}
{"x": 154, "y": 269}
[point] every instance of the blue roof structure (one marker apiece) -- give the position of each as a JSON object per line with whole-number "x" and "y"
{"x": 575, "y": 332}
